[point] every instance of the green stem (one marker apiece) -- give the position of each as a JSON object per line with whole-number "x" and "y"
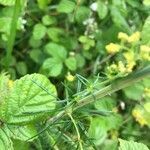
{"x": 76, "y": 128}
{"x": 116, "y": 85}
{"x": 12, "y": 35}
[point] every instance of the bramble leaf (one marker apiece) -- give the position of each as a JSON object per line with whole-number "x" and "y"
{"x": 31, "y": 97}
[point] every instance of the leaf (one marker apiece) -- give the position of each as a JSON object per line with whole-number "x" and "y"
{"x": 66, "y": 6}
{"x": 30, "y": 98}
{"x": 130, "y": 145}
{"x": 82, "y": 13}
{"x": 105, "y": 104}
{"x": 146, "y": 32}
{"x": 54, "y": 33}
{"x": 23, "y": 133}
{"x": 134, "y": 92}
{"x": 39, "y": 31}
{"x": 4, "y": 87}
{"x": 118, "y": 19}
{"x": 48, "y": 20}
{"x": 21, "y": 68}
{"x": 36, "y": 55}
{"x": 80, "y": 60}
{"x": 97, "y": 131}
{"x": 7, "y": 2}
{"x": 102, "y": 9}
{"x": 57, "y": 51}
{"x": 43, "y": 3}
{"x": 5, "y": 24}
{"x": 5, "y": 141}
{"x": 52, "y": 66}
{"x": 71, "y": 63}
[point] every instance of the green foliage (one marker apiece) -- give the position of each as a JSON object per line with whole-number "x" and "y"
{"x": 30, "y": 106}
{"x": 7, "y": 2}
{"x": 88, "y": 50}
{"x": 146, "y": 32}
{"x": 124, "y": 145}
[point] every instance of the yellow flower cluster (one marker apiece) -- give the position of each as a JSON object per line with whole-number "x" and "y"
{"x": 70, "y": 77}
{"x": 137, "y": 114}
{"x": 145, "y": 52}
{"x": 113, "y": 48}
{"x": 135, "y": 37}
{"x": 130, "y": 58}
{"x": 123, "y": 36}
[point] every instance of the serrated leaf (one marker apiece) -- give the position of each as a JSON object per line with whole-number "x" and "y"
{"x": 56, "y": 51}
{"x": 5, "y": 141}
{"x": 7, "y": 2}
{"x": 30, "y": 98}
{"x": 23, "y": 133}
{"x": 146, "y": 32}
{"x": 52, "y": 66}
{"x": 130, "y": 145}
{"x": 66, "y": 6}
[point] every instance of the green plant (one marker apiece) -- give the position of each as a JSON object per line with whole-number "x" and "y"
{"x": 88, "y": 57}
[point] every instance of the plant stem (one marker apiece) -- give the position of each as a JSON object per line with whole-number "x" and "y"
{"x": 12, "y": 35}
{"x": 76, "y": 128}
{"x": 116, "y": 85}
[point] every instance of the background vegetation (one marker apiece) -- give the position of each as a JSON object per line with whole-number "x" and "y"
{"x": 81, "y": 46}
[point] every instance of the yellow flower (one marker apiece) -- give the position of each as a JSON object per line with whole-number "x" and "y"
{"x": 121, "y": 67}
{"x": 135, "y": 37}
{"x": 145, "y": 52}
{"x": 123, "y": 36}
{"x": 113, "y": 48}
{"x": 10, "y": 83}
{"x": 130, "y": 66}
{"x": 70, "y": 77}
{"x": 139, "y": 118}
{"x": 129, "y": 56}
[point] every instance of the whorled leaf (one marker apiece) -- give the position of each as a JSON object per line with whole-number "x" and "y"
{"x": 31, "y": 97}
